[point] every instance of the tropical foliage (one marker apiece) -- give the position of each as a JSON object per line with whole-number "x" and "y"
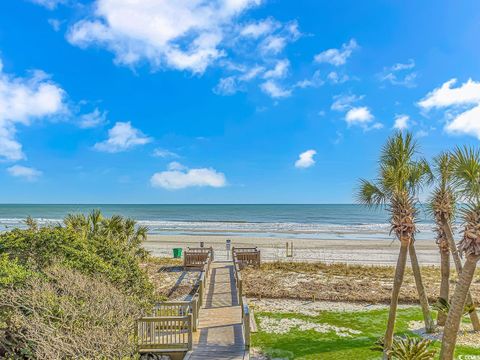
{"x": 72, "y": 285}
{"x": 467, "y": 184}
{"x": 442, "y": 208}
{"x": 400, "y": 176}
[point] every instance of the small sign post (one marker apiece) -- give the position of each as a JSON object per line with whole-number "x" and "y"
{"x": 228, "y": 243}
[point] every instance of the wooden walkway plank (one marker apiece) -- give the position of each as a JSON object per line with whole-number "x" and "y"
{"x": 220, "y": 334}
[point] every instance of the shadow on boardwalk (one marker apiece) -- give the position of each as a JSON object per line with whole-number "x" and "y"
{"x": 220, "y": 334}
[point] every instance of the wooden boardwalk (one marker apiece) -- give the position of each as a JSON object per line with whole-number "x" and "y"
{"x": 220, "y": 334}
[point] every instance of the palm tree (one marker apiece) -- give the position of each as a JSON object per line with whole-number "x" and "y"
{"x": 123, "y": 231}
{"x": 400, "y": 177}
{"x": 467, "y": 184}
{"x": 442, "y": 206}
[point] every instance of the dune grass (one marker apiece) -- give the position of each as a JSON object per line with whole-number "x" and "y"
{"x": 341, "y": 282}
{"x": 309, "y": 344}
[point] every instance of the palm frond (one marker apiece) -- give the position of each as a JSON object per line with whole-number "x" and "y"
{"x": 410, "y": 348}
{"x": 466, "y": 163}
{"x": 443, "y": 169}
{"x": 370, "y": 194}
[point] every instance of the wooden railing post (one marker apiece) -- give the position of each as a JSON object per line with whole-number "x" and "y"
{"x": 246, "y": 324}
{"x": 190, "y": 332}
{"x": 194, "y": 311}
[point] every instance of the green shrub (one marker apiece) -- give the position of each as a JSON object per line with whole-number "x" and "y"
{"x": 407, "y": 348}
{"x": 72, "y": 291}
{"x": 12, "y": 273}
{"x": 36, "y": 249}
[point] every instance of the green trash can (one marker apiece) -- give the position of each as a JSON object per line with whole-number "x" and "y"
{"x": 177, "y": 253}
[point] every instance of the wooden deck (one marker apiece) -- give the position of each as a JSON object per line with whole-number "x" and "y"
{"x": 220, "y": 332}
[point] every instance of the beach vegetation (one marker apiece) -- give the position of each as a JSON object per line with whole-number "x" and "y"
{"x": 72, "y": 290}
{"x": 402, "y": 173}
{"x": 408, "y": 348}
{"x": 442, "y": 205}
{"x": 467, "y": 184}
{"x": 310, "y": 344}
{"x": 358, "y": 283}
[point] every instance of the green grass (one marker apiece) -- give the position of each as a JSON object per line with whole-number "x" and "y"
{"x": 310, "y": 344}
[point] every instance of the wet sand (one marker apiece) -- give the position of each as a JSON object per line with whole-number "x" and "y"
{"x": 368, "y": 252}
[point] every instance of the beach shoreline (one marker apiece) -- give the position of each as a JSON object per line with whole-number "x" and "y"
{"x": 363, "y": 252}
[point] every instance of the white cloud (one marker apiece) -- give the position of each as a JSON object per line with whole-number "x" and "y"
{"x": 466, "y": 123}
{"x": 375, "y": 126}
{"x": 251, "y": 73}
{"x": 257, "y": 29}
{"x": 230, "y": 85}
{"x": 183, "y": 35}
{"x": 314, "y": 81}
{"x": 345, "y": 102}
{"x": 271, "y": 88}
{"x": 273, "y": 44}
{"x": 49, "y": 4}
{"x": 180, "y": 177}
{"x": 226, "y": 86}
{"x": 355, "y": 115}
{"x": 93, "y": 119}
{"x": 406, "y": 66}
{"x": 122, "y": 137}
{"x": 358, "y": 115}
{"x": 175, "y": 165}
{"x": 401, "y": 122}
{"x": 279, "y": 71}
{"x": 466, "y": 94}
{"x": 400, "y": 74}
{"x": 55, "y": 24}
{"x": 23, "y": 100}
{"x": 305, "y": 159}
{"x": 27, "y": 173}
{"x": 462, "y": 103}
{"x": 421, "y": 134}
{"x": 163, "y": 153}
{"x": 337, "y": 57}
{"x": 336, "y": 78}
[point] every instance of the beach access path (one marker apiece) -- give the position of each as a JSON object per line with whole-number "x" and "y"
{"x": 220, "y": 333}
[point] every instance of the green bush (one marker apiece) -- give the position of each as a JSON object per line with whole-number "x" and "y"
{"x": 36, "y": 249}
{"x": 72, "y": 290}
{"x": 12, "y": 273}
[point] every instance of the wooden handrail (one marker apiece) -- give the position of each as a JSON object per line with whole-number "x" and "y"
{"x": 164, "y": 333}
{"x": 171, "y": 323}
{"x": 246, "y": 322}
{"x": 196, "y": 257}
{"x": 242, "y": 257}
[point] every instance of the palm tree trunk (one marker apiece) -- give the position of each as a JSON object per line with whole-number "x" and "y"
{"x": 422, "y": 295}
{"x": 397, "y": 284}
{"x": 456, "y": 310}
{"x": 458, "y": 265}
{"x": 444, "y": 283}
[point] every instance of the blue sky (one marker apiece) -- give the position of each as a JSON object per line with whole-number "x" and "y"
{"x": 226, "y": 101}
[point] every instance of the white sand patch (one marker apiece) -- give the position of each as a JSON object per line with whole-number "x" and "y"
{"x": 283, "y": 326}
{"x": 466, "y": 336}
{"x": 311, "y": 308}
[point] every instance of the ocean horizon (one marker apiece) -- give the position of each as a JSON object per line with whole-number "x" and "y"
{"x": 310, "y": 221}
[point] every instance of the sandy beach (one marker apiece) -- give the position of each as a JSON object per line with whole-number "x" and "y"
{"x": 373, "y": 252}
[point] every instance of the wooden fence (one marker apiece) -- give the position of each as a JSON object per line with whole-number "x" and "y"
{"x": 196, "y": 257}
{"x": 170, "y": 324}
{"x": 164, "y": 334}
{"x": 241, "y": 258}
{"x": 246, "y": 256}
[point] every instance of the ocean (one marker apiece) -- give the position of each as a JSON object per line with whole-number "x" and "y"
{"x": 316, "y": 222}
